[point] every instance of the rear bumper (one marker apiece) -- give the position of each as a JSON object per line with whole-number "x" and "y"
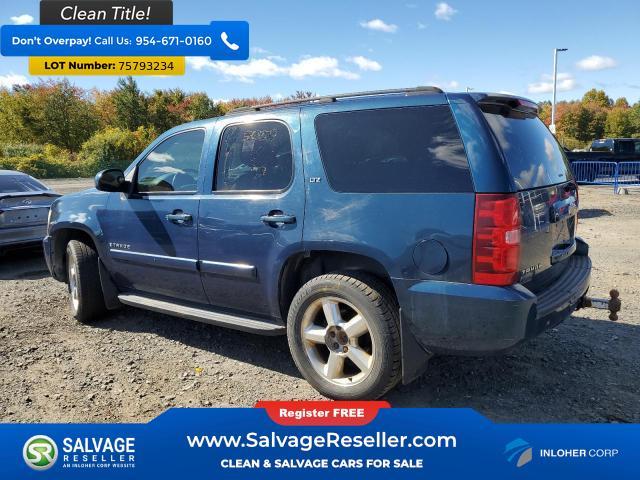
{"x": 16, "y": 236}
{"x": 460, "y": 318}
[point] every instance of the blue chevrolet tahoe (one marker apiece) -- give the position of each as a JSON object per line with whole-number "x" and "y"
{"x": 374, "y": 229}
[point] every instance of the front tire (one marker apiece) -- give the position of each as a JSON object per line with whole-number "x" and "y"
{"x": 344, "y": 338}
{"x": 83, "y": 280}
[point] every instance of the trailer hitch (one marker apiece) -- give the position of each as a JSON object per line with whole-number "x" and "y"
{"x": 613, "y": 304}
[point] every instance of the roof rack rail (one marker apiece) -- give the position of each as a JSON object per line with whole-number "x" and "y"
{"x": 335, "y": 98}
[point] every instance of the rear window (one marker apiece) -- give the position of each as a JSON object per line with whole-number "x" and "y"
{"x": 602, "y": 146}
{"x": 393, "y": 150}
{"x": 629, "y": 146}
{"x": 533, "y": 155}
{"x": 19, "y": 184}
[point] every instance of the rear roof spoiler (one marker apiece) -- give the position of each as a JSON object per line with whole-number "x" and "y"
{"x": 505, "y": 104}
{"x": 42, "y": 193}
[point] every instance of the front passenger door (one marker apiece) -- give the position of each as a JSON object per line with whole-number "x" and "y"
{"x": 152, "y": 233}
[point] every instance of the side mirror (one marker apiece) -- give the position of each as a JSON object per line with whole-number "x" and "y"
{"x": 111, "y": 180}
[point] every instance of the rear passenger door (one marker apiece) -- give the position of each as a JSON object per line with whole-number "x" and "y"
{"x": 252, "y": 218}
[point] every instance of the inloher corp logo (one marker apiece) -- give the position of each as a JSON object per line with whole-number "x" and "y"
{"x": 518, "y": 451}
{"x": 40, "y": 452}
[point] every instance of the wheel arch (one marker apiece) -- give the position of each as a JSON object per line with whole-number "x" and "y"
{"x": 60, "y": 238}
{"x": 301, "y": 267}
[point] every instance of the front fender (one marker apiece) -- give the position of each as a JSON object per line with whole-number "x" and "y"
{"x": 72, "y": 214}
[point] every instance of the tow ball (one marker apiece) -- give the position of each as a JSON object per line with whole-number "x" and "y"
{"x": 613, "y": 304}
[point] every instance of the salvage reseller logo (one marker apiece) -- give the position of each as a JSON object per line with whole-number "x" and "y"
{"x": 40, "y": 452}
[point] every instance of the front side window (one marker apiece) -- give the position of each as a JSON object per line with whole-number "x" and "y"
{"x": 254, "y": 156}
{"x": 393, "y": 150}
{"x": 173, "y": 166}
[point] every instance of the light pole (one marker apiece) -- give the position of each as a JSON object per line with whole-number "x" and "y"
{"x": 552, "y": 127}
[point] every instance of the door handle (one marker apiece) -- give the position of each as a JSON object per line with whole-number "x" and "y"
{"x": 274, "y": 218}
{"x": 179, "y": 217}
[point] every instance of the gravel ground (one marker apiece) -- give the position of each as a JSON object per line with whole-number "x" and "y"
{"x": 69, "y": 185}
{"x": 132, "y": 365}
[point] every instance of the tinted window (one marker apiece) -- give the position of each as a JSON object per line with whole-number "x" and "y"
{"x": 19, "y": 183}
{"x": 173, "y": 165}
{"x": 533, "y": 155}
{"x": 408, "y": 150}
{"x": 254, "y": 156}
{"x": 627, "y": 146}
{"x": 602, "y": 146}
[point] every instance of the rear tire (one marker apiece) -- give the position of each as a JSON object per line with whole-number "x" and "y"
{"x": 344, "y": 337}
{"x": 83, "y": 279}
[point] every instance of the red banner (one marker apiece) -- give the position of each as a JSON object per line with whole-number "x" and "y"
{"x": 322, "y": 412}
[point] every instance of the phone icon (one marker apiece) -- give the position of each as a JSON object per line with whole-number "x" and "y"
{"x": 225, "y": 39}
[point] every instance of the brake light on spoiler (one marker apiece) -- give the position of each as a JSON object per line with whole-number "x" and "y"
{"x": 496, "y": 239}
{"x": 507, "y": 105}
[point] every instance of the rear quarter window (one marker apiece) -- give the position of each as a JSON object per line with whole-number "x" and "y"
{"x": 393, "y": 150}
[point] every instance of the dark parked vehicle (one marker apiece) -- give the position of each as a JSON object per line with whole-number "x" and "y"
{"x": 617, "y": 146}
{"x": 620, "y": 153}
{"x": 24, "y": 208}
{"x": 373, "y": 229}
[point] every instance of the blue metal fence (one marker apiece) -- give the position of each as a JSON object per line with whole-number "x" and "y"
{"x": 624, "y": 174}
{"x": 628, "y": 174}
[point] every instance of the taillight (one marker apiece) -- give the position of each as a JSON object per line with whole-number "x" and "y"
{"x": 496, "y": 239}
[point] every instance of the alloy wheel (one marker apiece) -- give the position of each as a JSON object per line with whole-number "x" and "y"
{"x": 338, "y": 341}
{"x": 73, "y": 284}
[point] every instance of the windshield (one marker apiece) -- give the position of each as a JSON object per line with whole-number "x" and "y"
{"x": 19, "y": 184}
{"x": 533, "y": 155}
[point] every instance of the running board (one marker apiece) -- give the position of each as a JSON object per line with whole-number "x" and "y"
{"x": 245, "y": 324}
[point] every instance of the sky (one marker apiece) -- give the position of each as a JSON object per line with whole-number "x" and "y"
{"x": 335, "y": 46}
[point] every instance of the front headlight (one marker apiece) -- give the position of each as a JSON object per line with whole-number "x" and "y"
{"x": 49, "y": 220}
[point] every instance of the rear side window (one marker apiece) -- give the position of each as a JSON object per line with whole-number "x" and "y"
{"x": 533, "y": 155}
{"x": 254, "y": 156}
{"x": 393, "y": 150}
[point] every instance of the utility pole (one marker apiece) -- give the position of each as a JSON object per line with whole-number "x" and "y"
{"x": 552, "y": 127}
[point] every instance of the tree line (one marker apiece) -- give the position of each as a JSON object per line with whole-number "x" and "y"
{"x": 54, "y": 128}
{"x": 595, "y": 115}
{"x": 62, "y": 114}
